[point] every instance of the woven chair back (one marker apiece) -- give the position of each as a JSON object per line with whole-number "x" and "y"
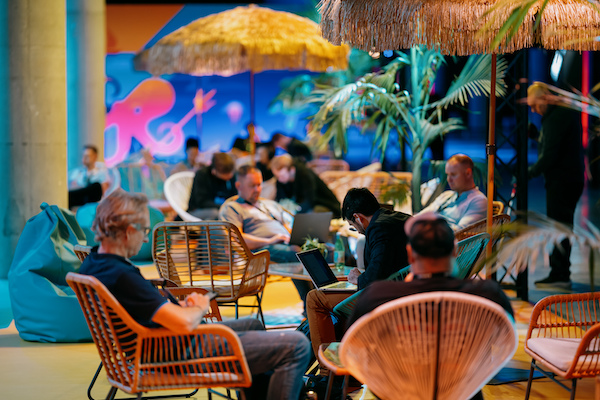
{"x": 438, "y": 345}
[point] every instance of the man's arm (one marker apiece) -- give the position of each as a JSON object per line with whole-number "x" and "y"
{"x": 476, "y": 211}
{"x": 184, "y": 318}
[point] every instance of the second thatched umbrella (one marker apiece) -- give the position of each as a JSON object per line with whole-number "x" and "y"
{"x": 454, "y": 28}
{"x": 243, "y": 39}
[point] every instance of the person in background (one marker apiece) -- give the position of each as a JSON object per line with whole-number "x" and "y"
{"x": 431, "y": 249}
{"x": 303, "y": 186}
{"x": 463, "y": 204}
{"x": 294, "y": 147}
{"x": 121, "y": 225}
{"x": 212, "y": 186}
{"x": 192, "y": 157}
{"x": 560, "y": 161}
{"x": 384, "y": 254}
{"x": 261, "y": 222}
{"x": 88, "y": 182}
{"x": 264, "y": 154}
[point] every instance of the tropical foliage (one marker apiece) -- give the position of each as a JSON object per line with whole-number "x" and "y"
{"x": 376, "y": 101}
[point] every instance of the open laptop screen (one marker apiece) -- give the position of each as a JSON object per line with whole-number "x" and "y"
{"x": 317, "y": 267}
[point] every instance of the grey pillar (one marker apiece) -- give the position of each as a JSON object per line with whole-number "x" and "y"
{"x": 86, "y": 51}
{"x": 33, "y": 121}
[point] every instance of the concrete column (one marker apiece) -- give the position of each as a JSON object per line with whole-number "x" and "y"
{"x": 86, "y": 51}
{"x": 33, "y": 121}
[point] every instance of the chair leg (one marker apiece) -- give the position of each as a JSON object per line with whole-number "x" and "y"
{"x": 329, "y": 385}
{"x": 530, "y": 380}
{"x": 89, "y": 392}
{"x": 111, "y": 393}
{"x": 260, "y": 312}
{"x": 345, "y": 386}
{"x": 573, "y": 388}
{"x": 236, "y": 310}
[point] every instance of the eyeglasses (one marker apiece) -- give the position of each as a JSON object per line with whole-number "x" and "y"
{"x": 145, "y": 229}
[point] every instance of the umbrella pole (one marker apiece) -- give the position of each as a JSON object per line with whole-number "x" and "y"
{"x": 251, "y": 132}
{"x": 491, "y": 155}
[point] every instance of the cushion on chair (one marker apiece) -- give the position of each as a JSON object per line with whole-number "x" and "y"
{"x": 560, "y": 351}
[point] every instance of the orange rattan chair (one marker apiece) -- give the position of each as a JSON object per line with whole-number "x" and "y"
{"x": 134, "y": 356}
{"x": 339, "y": 182}
{"x": 211, "y": 255}
{"x": 564, "y": 338}
{"x": 438, "y": 345}
{"x": 328, "y": 164}
{"x": 480, "y": 226}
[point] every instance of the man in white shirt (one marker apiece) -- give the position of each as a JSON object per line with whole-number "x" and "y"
{"x": 464, "y": 204}
{"x": 88, "y": 182}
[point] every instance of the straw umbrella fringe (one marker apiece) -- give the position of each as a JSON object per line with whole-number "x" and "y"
{"x": 449, "y": 26}
{"x": 243, "y": 39}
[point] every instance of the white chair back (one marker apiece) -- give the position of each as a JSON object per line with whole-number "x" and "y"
{"x": 178, "y": 188}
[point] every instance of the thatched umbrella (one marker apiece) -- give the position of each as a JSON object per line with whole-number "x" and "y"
{"x": 453, "y": 27}
{"x": 242, "y": 39}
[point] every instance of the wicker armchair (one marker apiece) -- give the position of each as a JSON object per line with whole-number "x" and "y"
{"x": 328, "y": 164}
{"x": 341, "y": 181}
{"x": 210, "y": 356}
{"x": 564, "y": 338}
{"x": 82, "y": 251}
{"x": 211, "y": 255}
{"x": 440, "y": 345}
{"x": 480, "y": 226}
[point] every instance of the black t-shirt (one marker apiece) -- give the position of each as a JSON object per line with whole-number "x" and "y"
{"x": 125, "y": 281}
{"x": 208, "y": 191}
{"x": 381, "y": 292}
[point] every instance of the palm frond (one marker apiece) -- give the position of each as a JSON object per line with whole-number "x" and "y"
{"x": 474, "y": 80}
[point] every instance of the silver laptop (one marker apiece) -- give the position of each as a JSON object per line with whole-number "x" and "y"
{"x": 320, "y": 272}
{"x": 315, "y": 225}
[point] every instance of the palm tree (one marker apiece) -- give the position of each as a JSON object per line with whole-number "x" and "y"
{"x": 376, "y": 100}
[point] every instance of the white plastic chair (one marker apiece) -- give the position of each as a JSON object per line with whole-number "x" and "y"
{"x": 438, "y": 345}
{"x": 178, "y": 188}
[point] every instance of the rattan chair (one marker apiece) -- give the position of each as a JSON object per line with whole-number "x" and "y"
{"x": 564, "y": 338}
{"x": 82, "y": 251}
{"x": 377, "y": 182}
{"x": 468, "y": 254}
{"x": 328, "y": 164}
{"x": 480, "y": 226}
{"x": 438, "y": 345}
{"x": 177, "y": 189}
{"x": 134, "y": 356}
{"x": 497, "y": 207}
{"x": 212, "y": 255}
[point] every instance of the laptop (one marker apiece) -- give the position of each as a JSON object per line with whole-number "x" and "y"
{"x": 320, "y": 272}
{"x": 315, "y": 225}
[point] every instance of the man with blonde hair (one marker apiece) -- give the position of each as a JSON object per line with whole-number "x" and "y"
{"x": 560, "y": 161}
{"x": 464, "y": 204}
{"x": 122, "y": 225}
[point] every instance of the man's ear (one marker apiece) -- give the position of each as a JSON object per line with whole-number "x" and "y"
{"x": 409, "y": 252}
{"x": 237, "y": 185}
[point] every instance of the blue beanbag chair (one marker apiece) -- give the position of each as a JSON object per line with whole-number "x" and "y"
{"x": 85, "y": 217}
{"x": 45, "y": 308}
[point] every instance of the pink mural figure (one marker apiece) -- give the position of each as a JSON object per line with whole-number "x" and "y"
{"x": 151, "y": 99}
{"x": 234, "y": 110}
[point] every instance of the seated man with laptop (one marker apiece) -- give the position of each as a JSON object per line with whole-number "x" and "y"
{"x": 384, "y": 254}
{"x": 262, "y": 224}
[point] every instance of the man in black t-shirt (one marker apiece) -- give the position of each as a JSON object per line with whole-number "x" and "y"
{"x": 212, "y": 186}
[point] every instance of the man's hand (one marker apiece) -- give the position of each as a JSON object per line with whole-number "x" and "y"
{"x": 280, "y": 238}
{"x": 353, "y": 276}
{"x": 196, "y": 300}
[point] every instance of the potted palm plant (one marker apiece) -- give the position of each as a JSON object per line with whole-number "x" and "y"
{"x": 376, "y": 101}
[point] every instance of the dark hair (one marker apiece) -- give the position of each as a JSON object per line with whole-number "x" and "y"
{"x": 223, "y": 163}
{"x": 462, "y": 159}
{"x": 192, "y": 142}
{"x": 432, "y": 238}
{"x": 91, "y": 147}
{"x": 359, "y": 200}
{"x": 269, "y": 146}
